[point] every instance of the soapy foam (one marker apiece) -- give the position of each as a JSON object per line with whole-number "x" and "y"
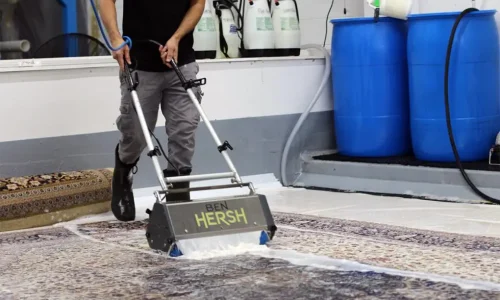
{"x": 73, "y": 228}
{"x": 248, "y": 243}
{"x": 233, "y": 245}
{"x": 324, "y": 262}
{"x": 220, "y": 246}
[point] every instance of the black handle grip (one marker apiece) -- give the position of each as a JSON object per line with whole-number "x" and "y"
{"x": 174, "y": 65}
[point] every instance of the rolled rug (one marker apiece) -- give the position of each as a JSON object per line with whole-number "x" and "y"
{"x": 47, "y": 199}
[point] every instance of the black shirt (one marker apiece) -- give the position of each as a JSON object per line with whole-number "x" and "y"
{"x": 155, "y": 20}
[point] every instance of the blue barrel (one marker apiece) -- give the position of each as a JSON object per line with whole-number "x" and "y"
{"x": 474, "y": 85}
{"x": 370, "y": 87}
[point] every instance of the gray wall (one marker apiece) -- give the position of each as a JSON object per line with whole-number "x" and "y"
{"x": 258, "y": 145}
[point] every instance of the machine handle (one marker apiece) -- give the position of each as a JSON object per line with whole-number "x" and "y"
{"x": 187, "y": 84}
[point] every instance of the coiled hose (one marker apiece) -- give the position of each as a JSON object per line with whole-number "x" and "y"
{"x": 127, "y": 40}
{"x": 447, "y": 109}
{"x": 305, "y": 114}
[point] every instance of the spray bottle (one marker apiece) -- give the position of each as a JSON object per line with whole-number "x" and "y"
{"x": 228, "y": 38}
{"x": 398, "y": 9}
{"x": 205, "y": 35}
{"x": 285, "y": 16}
{"x": 258, "y": 29}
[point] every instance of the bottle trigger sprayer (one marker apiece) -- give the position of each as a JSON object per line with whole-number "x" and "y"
{"x": 375, "y": 4}
{"x": 398, "y": 9}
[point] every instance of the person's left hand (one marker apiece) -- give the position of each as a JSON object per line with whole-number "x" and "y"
{"x": 169, "y": 51}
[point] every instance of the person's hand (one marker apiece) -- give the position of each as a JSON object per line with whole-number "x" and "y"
{"x": 169, "y": 51}
{"x": 122, "y": 55}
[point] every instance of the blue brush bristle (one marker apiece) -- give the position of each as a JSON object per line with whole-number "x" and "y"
{"x": 175, "y": 251}
{"x": 264, "y": 238}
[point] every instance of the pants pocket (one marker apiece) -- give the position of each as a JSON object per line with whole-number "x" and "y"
{"x": 191, "y": 71}
{"x": 125, "y": 122}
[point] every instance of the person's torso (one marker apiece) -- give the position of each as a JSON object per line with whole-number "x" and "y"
{"x": 155, "y": 20}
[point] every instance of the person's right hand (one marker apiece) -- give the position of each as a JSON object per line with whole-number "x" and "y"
{"x": 121, "y": 55}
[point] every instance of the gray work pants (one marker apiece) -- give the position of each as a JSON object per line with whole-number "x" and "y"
{"x": 160, "y": 90}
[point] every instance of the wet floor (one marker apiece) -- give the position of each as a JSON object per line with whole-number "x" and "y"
{"x": 111, "y": 260}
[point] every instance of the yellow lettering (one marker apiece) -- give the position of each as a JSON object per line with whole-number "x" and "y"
{"x": 221, "y": 217}
{"x": 202, "y": 219}
{"x": 230, "y": 216}
{"x": 242, "y": 215}
{"x": 210, "y": 219}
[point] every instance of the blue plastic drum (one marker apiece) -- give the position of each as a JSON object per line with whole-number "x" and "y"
{"x": 474, "y": 85}
{"x": 370, "y": 87}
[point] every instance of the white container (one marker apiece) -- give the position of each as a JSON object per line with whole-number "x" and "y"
{"x": 230, "y": 35}
{"x": 286, "y": 28}
{"x": 205, "y": 34}
{"x": 398, "y": 9}
{"x": 258, "y": 30}
{"x": 273, "y": 6}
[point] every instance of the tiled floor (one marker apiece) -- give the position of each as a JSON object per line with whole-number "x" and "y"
{"x": 328, "y": 246}
{"x": 482, "y": 220}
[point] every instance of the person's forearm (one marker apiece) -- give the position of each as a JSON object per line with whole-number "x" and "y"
{"x": 107, "y": 10}
{"x": 192, "y": 18}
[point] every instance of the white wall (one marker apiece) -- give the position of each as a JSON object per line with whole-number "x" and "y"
{"x": 313, "y": 15}
{"x": 431, "y": 6}
{"x": 61, "y": 100}
{"x": 427, "y": 6}
{"x": 314, "y": 19}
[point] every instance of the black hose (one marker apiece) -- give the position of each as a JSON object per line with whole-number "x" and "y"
{"x": 241, "y": 10}
{"x": 239, "y": 20}
{"x": 297, "y": 10}
{"x": 222, "y": 40}
{"x": 227, "y": 4}
{"x": 447, "y": 108}
{"x": 240, "y": 6}
{"x": 326, "y": 22}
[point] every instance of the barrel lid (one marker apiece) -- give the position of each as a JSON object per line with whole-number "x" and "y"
{"x": 364, "y": 20}
{"x": 486, "y": 12}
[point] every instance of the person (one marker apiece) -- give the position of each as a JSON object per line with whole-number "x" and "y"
{"x": 170, "y": 23}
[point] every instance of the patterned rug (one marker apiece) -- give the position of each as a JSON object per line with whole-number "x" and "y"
{"x": 410, "y": 250}
{"x": 46, "y": 199}
{"x": 111, "y": 260}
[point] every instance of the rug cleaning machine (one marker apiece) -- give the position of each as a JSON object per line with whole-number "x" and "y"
{"x": 174, "y": 221}
{"x": 171, "y": 222}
